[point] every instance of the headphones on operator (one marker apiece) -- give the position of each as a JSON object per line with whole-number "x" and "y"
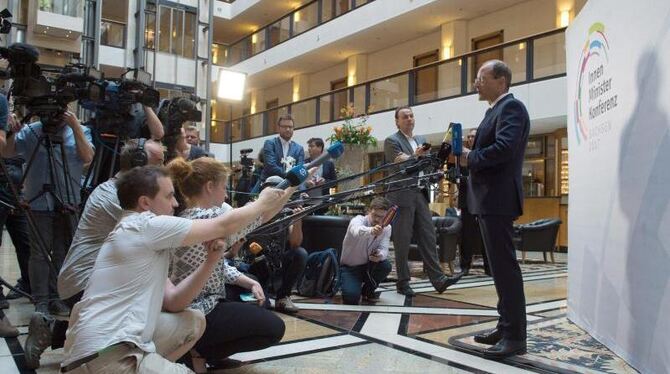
{"x": 139, "y": 157}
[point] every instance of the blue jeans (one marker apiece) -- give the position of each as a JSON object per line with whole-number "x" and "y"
{"x": 354, "y": 280}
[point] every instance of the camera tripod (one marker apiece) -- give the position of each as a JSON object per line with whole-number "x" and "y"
{"x": 104, "y": 165}
{"x": 59, "y": 196}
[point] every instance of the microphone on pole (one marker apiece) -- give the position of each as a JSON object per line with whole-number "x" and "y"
{"x": 334, "y": 151}
{"x": 457, "y": 146}
{"x": 294, "y": 177}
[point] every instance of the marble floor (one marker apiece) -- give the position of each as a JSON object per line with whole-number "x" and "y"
{"x": 428, "y": 333}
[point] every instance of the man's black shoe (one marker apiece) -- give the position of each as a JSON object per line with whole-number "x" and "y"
{"x": 506, "y": 348}
{"x": 445, "y": 282}
{"x": 373, "y": 297}
{"x": 405, "y": 289}
{"x": 490, "y": 338}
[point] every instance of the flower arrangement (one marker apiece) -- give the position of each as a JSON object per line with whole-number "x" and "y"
{"x": 354, "y": 130}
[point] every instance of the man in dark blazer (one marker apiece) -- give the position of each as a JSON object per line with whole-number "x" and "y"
{"x": 281, "y": 153}
{"x": 326, "y": 172}
{"x": 413, "y": 218}
{"x": 495, "y": 197}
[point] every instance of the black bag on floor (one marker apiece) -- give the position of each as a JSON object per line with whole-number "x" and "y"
{"x": 322, "y": 275}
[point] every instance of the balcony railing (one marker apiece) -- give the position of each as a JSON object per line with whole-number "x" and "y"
{"x": 534, "y": 58}
{"x": 300, "y": 20}
{"x": 112, "y": 33}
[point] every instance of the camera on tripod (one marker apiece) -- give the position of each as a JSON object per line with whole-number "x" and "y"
{"x": 46, "y": 97}
{"x": 246, "y": 162}
{"x": 173, "y": 114}
{"x": 112, "y": 111}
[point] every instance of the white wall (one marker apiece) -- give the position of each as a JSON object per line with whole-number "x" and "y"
{"x": 619, "y": 217}
{"x": 400, "y": 57}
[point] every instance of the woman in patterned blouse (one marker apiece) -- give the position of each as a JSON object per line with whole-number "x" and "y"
{"x": 232, "y": 326}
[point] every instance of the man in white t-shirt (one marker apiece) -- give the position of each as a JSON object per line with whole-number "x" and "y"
{"x": 100, "y": 216}
{"x": 112, "y": 327}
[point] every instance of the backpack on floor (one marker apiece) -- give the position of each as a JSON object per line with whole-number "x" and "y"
{"x": 322, "y": 275}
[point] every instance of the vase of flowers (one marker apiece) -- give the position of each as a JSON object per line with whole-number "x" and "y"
{"x": 356, "y": 136}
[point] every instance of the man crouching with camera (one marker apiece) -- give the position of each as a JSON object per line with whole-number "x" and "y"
{"x": 112, "y": 326}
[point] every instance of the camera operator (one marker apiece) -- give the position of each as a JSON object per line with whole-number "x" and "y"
{"x": 6, "y": 328}
{"x": 146, "y": 123}
{"x": 245, "y": 183}
{"x": 293, "y": 259}
{"x": 52, "y": 195}
{"x": 113, "y": 325}
{"x": 100, "y": 215}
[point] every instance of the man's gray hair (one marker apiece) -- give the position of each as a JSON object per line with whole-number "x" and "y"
{"x": 500, "y": 69}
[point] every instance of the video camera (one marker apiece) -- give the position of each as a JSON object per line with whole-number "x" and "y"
{"x": 112, "y": 113}
{"x": 45, "y": 97}
{"x": 246, "y": 162}
{"x": 172, "y": 114}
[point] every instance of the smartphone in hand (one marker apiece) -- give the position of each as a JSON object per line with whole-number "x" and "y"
{"x": 248, "y": 297}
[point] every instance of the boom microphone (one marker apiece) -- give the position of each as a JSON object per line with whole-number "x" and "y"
{"x": 334, "y": 151}
{"x": 294, "y": 177}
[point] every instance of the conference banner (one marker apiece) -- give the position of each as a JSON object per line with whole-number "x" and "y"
{"x": 618, "y": 76}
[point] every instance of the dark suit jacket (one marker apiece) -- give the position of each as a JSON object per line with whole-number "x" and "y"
{"x": 273, "y": 154}
{"x": 329, "y": 173}
{"x": 394, "y": 144}
{"x": 495, "y": 186}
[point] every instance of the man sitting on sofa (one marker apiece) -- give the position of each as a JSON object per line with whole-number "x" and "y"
{"x": 365, "y": 250}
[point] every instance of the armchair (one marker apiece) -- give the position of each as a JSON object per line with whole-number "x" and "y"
{"x": 537, "y": 236}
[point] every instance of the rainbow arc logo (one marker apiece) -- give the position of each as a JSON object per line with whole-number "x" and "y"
{"x": 596, "y": 46}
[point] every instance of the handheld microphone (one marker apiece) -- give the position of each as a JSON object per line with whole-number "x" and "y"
{"x": 426, "y": 146}
{"x": 456, "y": 138}
{"x": 390, "y": 215}
{"x": 444, "y": 152}
{"x": 294, "y": 177}
{"x": 334, "y": 151}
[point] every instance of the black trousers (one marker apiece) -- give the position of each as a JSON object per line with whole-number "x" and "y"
{"x": 497, "y": 232}
{"x": 234, "y": 327}
{"x": 471, "y": 238}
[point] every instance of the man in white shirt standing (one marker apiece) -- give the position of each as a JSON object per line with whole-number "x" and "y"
{"x": 365, "y": 250}
{"x": 112, "y": 327}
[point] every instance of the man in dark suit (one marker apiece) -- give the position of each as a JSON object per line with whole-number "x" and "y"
{"x": 413, "y": 218}
{"x": 281, "y": 153}
{"x": 326, "y": 172}
{"x": 495, "y": 196}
